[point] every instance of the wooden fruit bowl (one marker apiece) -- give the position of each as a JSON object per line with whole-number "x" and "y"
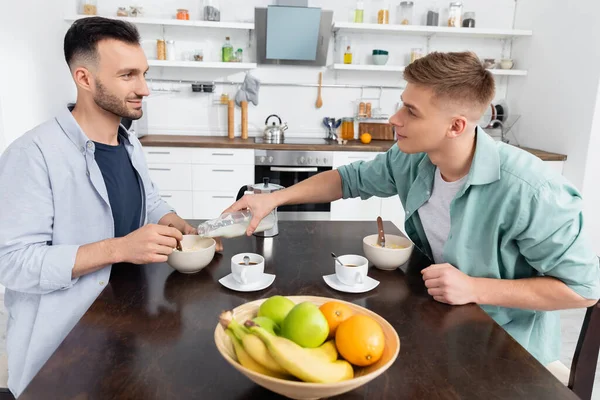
{"x": 303, "y": 390}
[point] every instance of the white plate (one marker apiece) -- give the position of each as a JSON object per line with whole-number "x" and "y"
{"x": 333, "y": 282}
{"x": 230, "y": 283}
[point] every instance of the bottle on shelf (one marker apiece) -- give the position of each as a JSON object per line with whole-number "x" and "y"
{"x": 227, "y": 51}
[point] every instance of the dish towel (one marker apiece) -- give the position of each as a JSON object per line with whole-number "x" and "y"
{"x": 249, "y": 91}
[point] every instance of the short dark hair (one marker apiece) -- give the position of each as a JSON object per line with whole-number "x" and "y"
{"x": 81, "y": 40}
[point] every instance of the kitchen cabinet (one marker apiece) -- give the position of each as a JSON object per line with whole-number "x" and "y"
{"x": 199, "y": 183}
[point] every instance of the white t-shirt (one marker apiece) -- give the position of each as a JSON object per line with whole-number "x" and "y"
{"x": 435, "y": 213}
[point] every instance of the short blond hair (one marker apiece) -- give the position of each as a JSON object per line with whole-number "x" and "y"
{"x": 454, "y": 76}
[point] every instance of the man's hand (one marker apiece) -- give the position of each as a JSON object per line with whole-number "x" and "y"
{"x": 449, "y": 285}
{"x": 260, "y": 205}
{"x": 189, "y": 230}
{"x": 149, "y": 244}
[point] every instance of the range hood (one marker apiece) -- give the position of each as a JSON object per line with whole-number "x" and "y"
{"x": 292, "y": 35}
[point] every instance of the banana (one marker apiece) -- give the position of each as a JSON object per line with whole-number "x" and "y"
{"x": 302, "y": 363}
{"x": 247, "y": 361}
{"x": 252, "y": 344}
{"x": 327, "y": 351}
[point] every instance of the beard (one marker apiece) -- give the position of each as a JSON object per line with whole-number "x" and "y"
{"x": 111, "y": 103}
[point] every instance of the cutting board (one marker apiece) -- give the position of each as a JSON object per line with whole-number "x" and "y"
{"x": 378, "y": 131}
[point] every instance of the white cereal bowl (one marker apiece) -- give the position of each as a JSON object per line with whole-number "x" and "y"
{"x": 387, "y": 258}
{"x": 197, "y": 253}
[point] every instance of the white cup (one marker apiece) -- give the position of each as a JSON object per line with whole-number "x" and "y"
{"x": 247, "y": 274}
{"x": 352, "y": 275}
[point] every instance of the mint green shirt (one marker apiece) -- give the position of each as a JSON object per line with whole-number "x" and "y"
{"x": 514, "y": 218}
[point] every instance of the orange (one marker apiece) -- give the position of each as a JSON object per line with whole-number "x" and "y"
{"x": 360, "y": 340}
{"x": 366, "y": 138}
{"x": 335, "y": 313}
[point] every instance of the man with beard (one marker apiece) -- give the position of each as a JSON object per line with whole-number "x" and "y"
{"x": 76, "y": 198}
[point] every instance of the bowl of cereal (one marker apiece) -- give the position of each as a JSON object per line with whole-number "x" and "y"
{"x": 396, "y": 252}
{"x": 197, "y": 252}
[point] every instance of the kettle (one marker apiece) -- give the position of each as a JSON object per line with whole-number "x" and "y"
{"x": 264, "y": 187}
{"x": 274, "y": 133}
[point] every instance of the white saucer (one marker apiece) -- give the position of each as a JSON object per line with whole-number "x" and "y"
{"x": 230, "y": 283}
{"x": 333, "y": 282}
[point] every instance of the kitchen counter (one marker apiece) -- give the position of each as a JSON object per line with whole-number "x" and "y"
{"x": 354, "y": 145}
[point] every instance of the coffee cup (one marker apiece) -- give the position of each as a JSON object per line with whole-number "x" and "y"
{"x": 250, "y": 272}
{"x": 354, "y": 271}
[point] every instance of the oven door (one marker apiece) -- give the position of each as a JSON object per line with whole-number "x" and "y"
{"x": 288, "y": 176}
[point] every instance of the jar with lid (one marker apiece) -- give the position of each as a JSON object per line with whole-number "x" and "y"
{"x": 469, "y": 20}
{"x": 170, "y": 50}
{"x": 183, "y": 14}
{"x": 347, "y": 128}
{"x": 416, "y": 53}
{"x": 88, "y": 7}
{"x": 383, "y": 15}
{"x": 433, "y": 16}
{"x": 455, "y": 14}
{"x": 122, "y": 12}
{"x": 161, "y": 49}
{"x": 212, "y": 10}
{"x": 406, "y": 12}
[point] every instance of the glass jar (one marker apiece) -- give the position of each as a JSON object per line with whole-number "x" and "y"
{"x": 383, "y": 15}
{"x": 161, "y": 50}
{"x": 433, "y": 17}
{"x": 469, "y": 20}
{"x": 183, "y": 14}
{"x": 122, "y": 12}
{"x": 198, "y": 55}
{"x": 406, "y": 12}
{"x": 212, "y": 10}
{"x": 359, "y": 12}
{"x": 347, "y": 128}
{"x": 239, "y": 55}
{"x": 455, "y": 14}
{"x": 171, "y": 50}
{"x": 88, "y": 7}
{"x": 415, "y": 54}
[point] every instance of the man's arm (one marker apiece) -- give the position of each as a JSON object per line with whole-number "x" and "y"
{"x": 541, "y": 293}
{"x": 364, "y": 179}
{"x": 551, "y": 238}
{"x": 449, "y": 285}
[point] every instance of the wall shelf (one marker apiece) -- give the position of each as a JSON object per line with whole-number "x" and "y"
{"x": 442, "y": 31}
{"x": 175, "y": 22}
{"x": 400, "y": 68}
{"x": 201, "y": 64}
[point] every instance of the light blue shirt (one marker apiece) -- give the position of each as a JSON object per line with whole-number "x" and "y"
{"x": 52, "y": 200}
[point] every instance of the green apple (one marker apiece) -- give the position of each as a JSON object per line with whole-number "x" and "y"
{"x": 276, "y": 309}
{"x": 305, "y": 325}
{"x": 267, "y": 324}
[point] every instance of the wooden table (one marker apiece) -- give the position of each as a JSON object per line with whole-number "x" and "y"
{"x": 150, "y": 333}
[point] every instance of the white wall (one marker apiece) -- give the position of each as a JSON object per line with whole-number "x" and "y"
{"x": 2, "y": 141}
{"x": 35, "y": 83}
{"x": 557, "y": 99}
{"x": 591, "y": 181}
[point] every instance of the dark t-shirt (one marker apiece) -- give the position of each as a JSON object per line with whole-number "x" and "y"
{"x": 122, "y": 186}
